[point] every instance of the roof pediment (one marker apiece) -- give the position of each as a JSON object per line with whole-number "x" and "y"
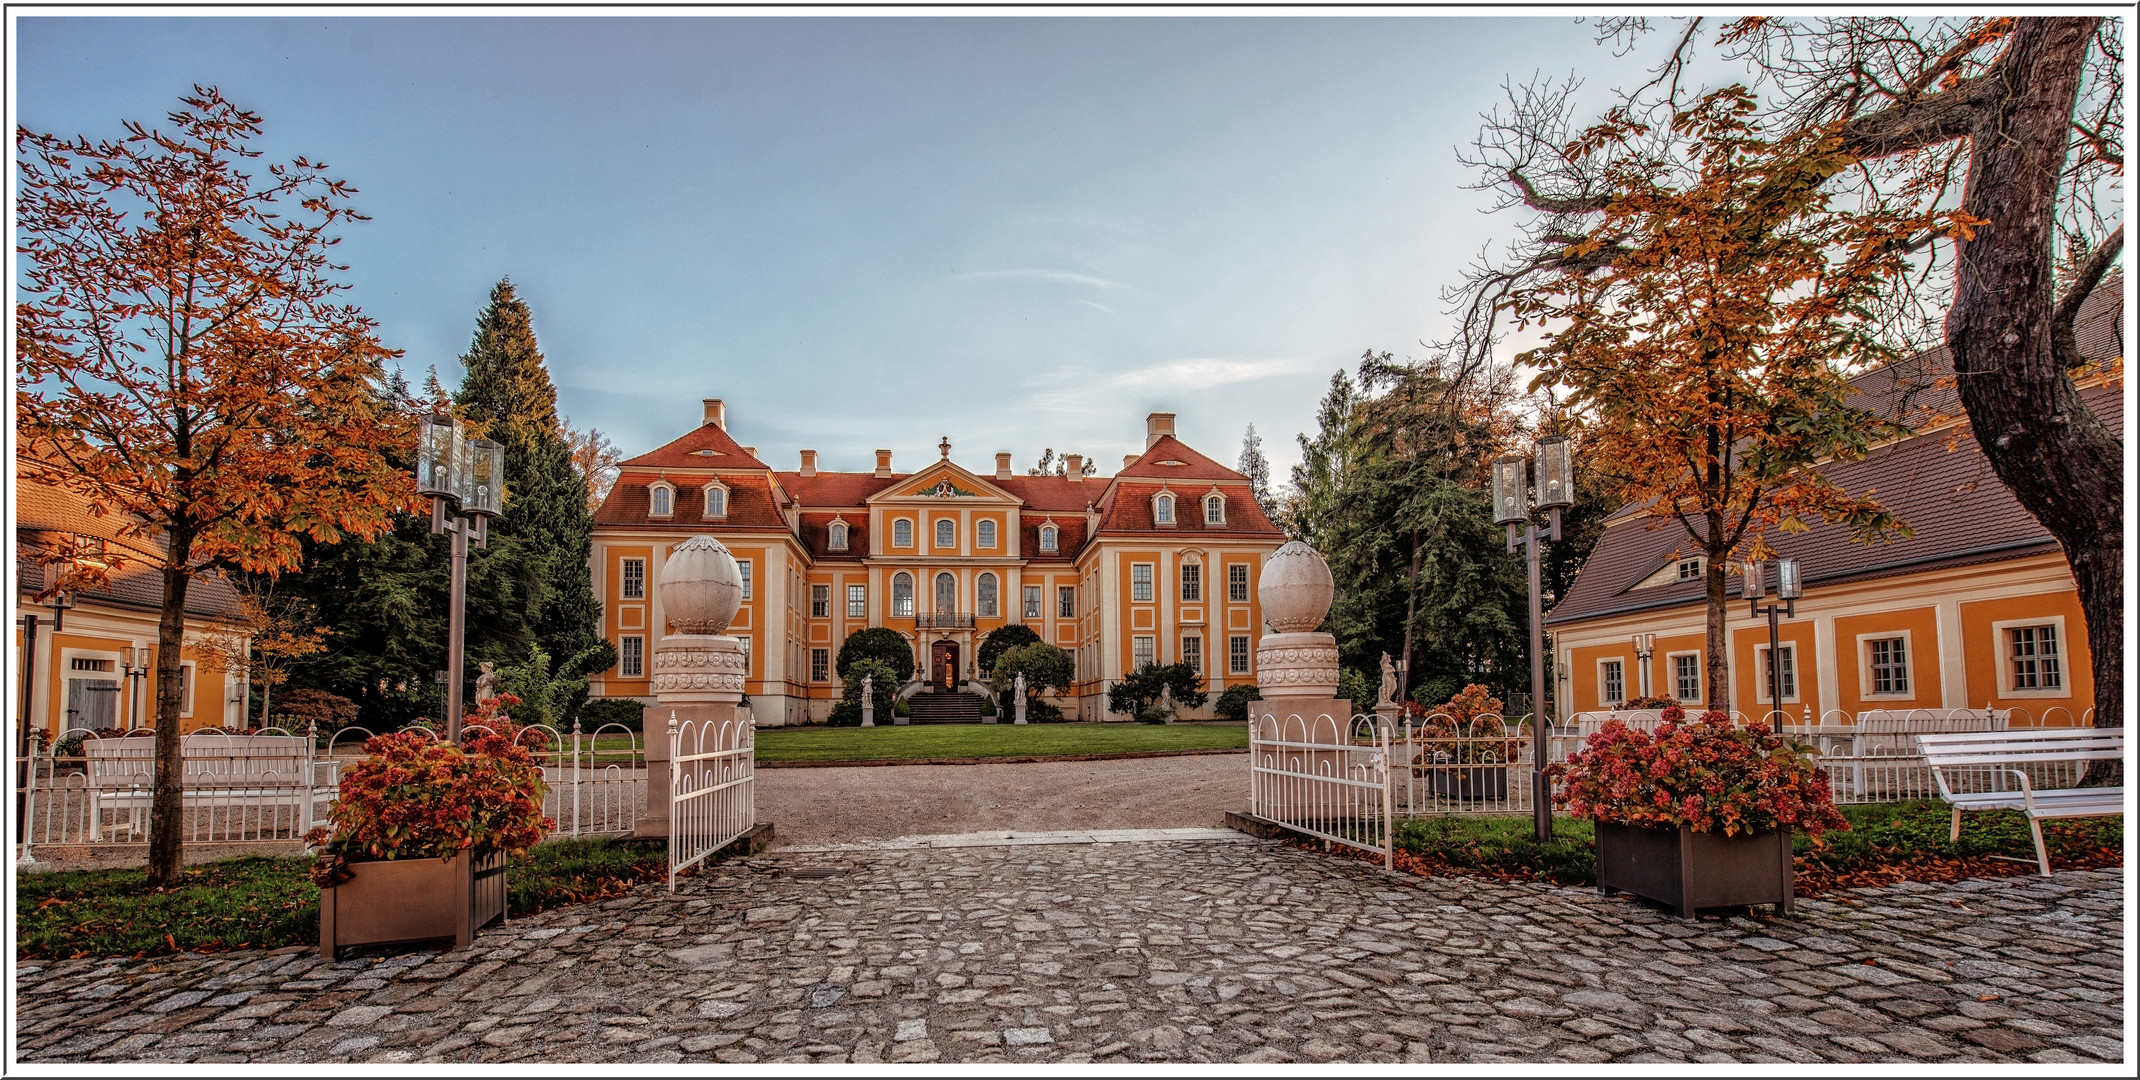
{"x": 944, "y": 481}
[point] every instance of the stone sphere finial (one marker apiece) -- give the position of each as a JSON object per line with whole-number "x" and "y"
{"x": 701, "y": 587}
{"x": 1296, "y": 589}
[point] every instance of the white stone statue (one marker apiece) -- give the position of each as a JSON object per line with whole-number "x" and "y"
{"x": 486, "y": 684}
{"x": 1018, "y": 699}
{"x": 1389, "y": 682}
{"x": 869, "y": 702}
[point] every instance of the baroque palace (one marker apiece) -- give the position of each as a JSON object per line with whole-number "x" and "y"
{"x": 1157, "y": 563}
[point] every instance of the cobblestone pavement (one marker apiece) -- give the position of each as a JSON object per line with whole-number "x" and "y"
{"x": 1181, "y": 950}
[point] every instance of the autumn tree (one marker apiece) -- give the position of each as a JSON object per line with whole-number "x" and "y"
{"x": 187, "y": 363}
{"x": 595, "y": 458}
{"x": 271, "y": 632}
{"x": 2019, "y": 122}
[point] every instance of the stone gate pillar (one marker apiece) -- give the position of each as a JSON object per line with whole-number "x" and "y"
{"x": 1297, "y": 667}
{"x": 698, "y": 669}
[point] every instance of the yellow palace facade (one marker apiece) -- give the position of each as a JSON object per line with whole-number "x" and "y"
{"x": 1158, "y": 563}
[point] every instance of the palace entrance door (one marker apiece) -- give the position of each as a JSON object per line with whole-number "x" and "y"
{"x": 944, "y": 666}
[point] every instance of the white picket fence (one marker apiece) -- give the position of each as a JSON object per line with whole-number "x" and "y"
{"x": 1326, "y": 776}
{"x": 712, "y": 788}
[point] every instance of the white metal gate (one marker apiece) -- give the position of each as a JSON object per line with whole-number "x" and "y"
{"x": 712, "y": 789}
{"x": 1326, "y": 776}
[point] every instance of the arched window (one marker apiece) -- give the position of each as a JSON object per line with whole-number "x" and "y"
{"x": 903, "y": 532}
{"x": 947, "y": 593}
{"x": 985, "y": 595}
{"x": 902, "y": 596}
{"x": 662, "y": 500}
{"x": 836, "y": 537}
{"x": 1048, "y": 541}
{"x": 1214, "y": 509}
{"x": 947, "y": 533}
{"x": 716, "y": 502}
{"x": 985, "y": 534}
{"x": 1163, "y": 510}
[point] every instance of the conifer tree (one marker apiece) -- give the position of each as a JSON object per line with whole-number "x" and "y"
{"x": 547, "y": 529}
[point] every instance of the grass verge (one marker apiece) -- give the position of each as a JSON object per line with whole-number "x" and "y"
{"x": 264, "y": 902}
{"x": 1886, "y": 842}
{"x": 981, "y": 742}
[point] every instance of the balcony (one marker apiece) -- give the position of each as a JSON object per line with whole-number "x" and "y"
{"x": 944, "y": 620}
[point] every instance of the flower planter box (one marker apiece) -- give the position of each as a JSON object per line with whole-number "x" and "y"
{"x": 1689, "y": 870}
{"x": 404, "y": 900}
{"x": 1469, "y": 783}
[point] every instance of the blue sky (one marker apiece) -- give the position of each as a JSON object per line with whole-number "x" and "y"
{"x": 1020, "y": 232}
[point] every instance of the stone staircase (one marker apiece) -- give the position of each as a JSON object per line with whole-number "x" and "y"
{"x": 945, "y": 708}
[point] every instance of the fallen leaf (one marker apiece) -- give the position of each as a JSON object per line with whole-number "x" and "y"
{"x": 1987, "y": 997}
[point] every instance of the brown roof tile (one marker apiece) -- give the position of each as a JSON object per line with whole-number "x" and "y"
{"x": 835, "y": 489}
{"x": 684, "y": 453}
{"x": 750, "y": 503}
{"x": 1129, "y": 510}
{"x": 1194, "y": 466}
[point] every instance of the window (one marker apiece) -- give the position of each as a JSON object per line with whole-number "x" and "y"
{"x": 1237, "y": 655}
{"x": 1612, "y": 682}
{"x": 1237, "y": 583}
{"x": 1140, "y": 582}
{"x": 984, "y": 534}
{"x": 1214, "y": 509}
{"x": 1163, "y": 510}
{"x": 1032, "y": 601}
{"x": 820, "y": 601}
{"x": 80, "y": 663}
{"x": 745, "y": 639}
{"x": 820, "y": 665}
{"x": 743, "y": 567}
{"x": 1192, "y": 653}
{"x": 947, "y": 593}
{"x": 631, "y": 658}
{"x": 857, "y": 601}
{"x": 1890, "y": 665}
{"x": 185, "y": 688}
{"x": 985, "y": 595}
{"x": 1066, "y": 601}
{"x": 1140, "y": 652}
{"x": 947, "y": 533}
{"x": 1048, "y": 536}
{"x": 661, "y": 499}
{"x": 836, "y": 537}
{"x": 902, "y": 596}
{"x": 1687, "y": 678}
{"x": 631, "y": 579}
{"x": 2034, "y": 654}
{"x": 716, "y": 502}
{"x": 1690, "y": 569}
{"x": 1786, "y": 672}
{"x": 1192, "y": 583}
{"x": 903, "y": 532}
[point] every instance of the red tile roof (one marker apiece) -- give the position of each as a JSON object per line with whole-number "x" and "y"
{"x": 684, "y": 453}
{"x": 835, "y": 489}
{"x": 1194, "y": 466}
{"x": 1129, "y": 510}
{"x": 1069, "y": 536}
{"x": 1057, "y": 494}
{"x": 47, "y": 517}
{"x": 817, "y": 533}
{"x": 750, "y": 503}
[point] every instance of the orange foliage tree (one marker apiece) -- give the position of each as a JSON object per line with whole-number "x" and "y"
{"x": 188, "y": 365}
{"x": 1705, "y": 327}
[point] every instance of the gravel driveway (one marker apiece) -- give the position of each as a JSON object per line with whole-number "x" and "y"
{"x": 834, "y": 805}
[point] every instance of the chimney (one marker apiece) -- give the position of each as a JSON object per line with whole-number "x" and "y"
{"x": 1156, "y": 425}
{"x": 1130, "y": 459}
{"x": 716, "y": 413}
{"x": 751, "y": 450}
{"x": 1074, "y": 467}
{"x": 884, "y": 464}
{"x": 809, "y": 463}
{"x": 1003, "y": 466}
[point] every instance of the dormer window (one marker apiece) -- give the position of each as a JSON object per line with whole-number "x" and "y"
{"x": 716, "y": 502}
{"x": 1048, "y": 540}
{"x": 661, "y": 500}
{"x": 1163, "y": 510}
{"x": 1690, "y": 569}
{"x": 1214, "y": 509}
{"x": 836, "y": 537}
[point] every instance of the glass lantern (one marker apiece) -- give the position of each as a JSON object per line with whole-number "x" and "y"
{"x": 1756, "y": 580}
{"x": 1556, "y": 472}
{"x": 437, "y": 439}
{"x": 1788, "y": 586}
{"x": 464, "y": 466}
{"x": 1511, "y": 501}
{"x": 484, "y": 492}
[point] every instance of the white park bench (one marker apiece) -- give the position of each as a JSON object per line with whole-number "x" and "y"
{"x": 1972, "y": 768}
{"x": 225, "y": 772}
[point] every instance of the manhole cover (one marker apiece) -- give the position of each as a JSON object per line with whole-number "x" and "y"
{"x": 813, "y": 873}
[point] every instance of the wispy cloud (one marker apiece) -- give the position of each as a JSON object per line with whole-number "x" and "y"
{"x": 1057, "y": 277}
{"x": 1204, "y": 372}
{"x": 1102, "y": 307}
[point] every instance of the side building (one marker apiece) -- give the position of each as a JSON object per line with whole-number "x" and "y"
{"x": 1156, "y": 564}
{"x": 1976, "y": 610}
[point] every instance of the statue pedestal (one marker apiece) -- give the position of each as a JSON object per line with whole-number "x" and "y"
{"x": 699, "y": 679}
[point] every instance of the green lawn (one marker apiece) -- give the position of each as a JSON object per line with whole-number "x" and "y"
{"x": 982, "y": 741}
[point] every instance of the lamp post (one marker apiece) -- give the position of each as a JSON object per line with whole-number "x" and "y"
{"x": 1514, "y": 500}
{"x": 59, "y": 603}
{"x": 1645, "y": 647}
{"x": 136, "y": 663}
{"x": 465, "y": 479}
{"x": 1788, "y": 589}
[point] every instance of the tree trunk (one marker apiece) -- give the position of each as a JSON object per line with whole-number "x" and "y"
{"x": 2042, "y": 442}
{"x": 1715, "y": 657}
{"x": 1411, "y": 611}
{"x": 167, "y": 806}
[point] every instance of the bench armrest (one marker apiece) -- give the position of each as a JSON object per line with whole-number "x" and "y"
{"x": 2028, "y": 791}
